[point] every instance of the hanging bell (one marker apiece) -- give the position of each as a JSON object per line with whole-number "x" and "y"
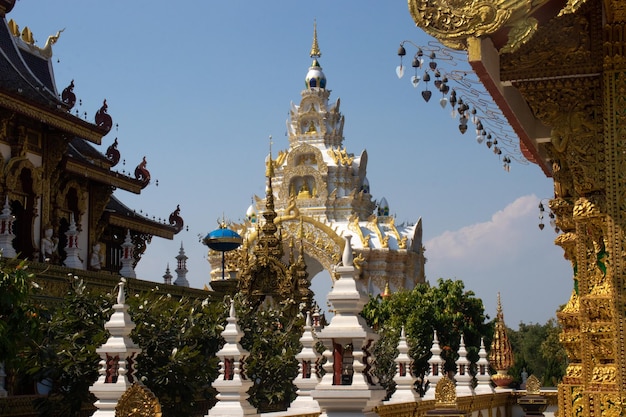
{"x": 416, "y": 62}
{"x": 401, "y": 51}
{"x": 426, "y": 77}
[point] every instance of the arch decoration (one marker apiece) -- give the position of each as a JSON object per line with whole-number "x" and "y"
{"x": 12, "y": 177}
{"x": 295, "y": 167}
{"x": 61, "y": 208}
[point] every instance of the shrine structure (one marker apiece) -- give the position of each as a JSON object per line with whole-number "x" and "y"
{"x": 557, "y": 71}
{"x": 319, "y": 193}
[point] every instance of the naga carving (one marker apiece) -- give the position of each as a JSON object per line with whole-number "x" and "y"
{"x": 452, "y": 22}
{"x": 176, "y": 221}
{"x": 68, "y": 97}
{"x": 102, "y": 118}
{"x": 113, "y": 154}
{"x": 142, "y": 173}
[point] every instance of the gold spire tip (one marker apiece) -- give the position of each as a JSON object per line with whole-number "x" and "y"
{"x": 315, "y": 48}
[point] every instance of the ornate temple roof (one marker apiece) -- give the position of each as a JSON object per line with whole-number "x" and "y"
{"x": 118, "y": 214}
{"x": 84, "y": 160}
{"x": 27, "y": 84}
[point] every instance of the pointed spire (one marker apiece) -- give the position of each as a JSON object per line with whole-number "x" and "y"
{"x": 436, "y": 363}
{"x": 117, "y": 355}
{"x": 463, "y": 377}
{"x": 72, "y": 259}
{"x": 128, "y": 249}
{"x": 501, "y": 355}
{"x": 181, "y": 270}
{"x": 386, "y": 292}
{"x": 315, "y": 49}
{"x": 167, "y": 278}
{"x": 483, "y": 385}
{"x": 404, "y": 379}
{"x": 232, "y": 384}
{"x": 308, "y": 376}
{"x": 348, "y": 340}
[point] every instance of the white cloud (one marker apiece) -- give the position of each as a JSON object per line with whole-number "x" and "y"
{"x": 482, "y": 241}
{"x": 509, "y": 255}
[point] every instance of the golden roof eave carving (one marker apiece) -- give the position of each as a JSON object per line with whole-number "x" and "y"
{"x": 454, "y": 22}
{"x": 60, "y": 120}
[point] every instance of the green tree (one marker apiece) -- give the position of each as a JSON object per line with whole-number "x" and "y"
{"x": 537, "y": 349}
{"x": 19, "y": 318}
{"x": 65, "y": 356}
{"x": 447, "y": 308}
{"x": 272, "y": 336}
{"x": 179, "y": 339}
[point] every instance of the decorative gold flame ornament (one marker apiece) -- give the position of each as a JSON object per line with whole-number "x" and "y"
{"x": 501, "y": 354}
{"x": 138, "y": 401}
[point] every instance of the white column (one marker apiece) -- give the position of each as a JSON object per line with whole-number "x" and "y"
{"x": 463, "y": 377}
{"x": 232, "y": 383}
{"x": 436, "y": 368}
{"x": 349, "y": 387}
{"x": 118, "y": 356}
{"x": 127, "y": 260}
{"x": 404, "y": 379}
{"x": 6, "y": 231}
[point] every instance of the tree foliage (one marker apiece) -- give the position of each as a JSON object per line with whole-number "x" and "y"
{"x": 65, "y": 357}
{"x": 179, "y": 339}
{"x": 19, "y": 318}
{"x": 537, "y": 349}
{"x": 272, "y": 336}
{"x": 447, "y": 308}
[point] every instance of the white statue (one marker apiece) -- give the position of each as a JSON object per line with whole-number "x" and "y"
{"x": 49, "y": 245}
{"x": 96, "y": 260}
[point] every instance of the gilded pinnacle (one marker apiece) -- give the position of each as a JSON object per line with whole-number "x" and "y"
{"x": 315, "y": 48}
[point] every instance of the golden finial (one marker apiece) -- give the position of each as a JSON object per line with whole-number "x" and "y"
{"x": 386, "y": 292}
{"x": 315, "y": 48}
{"x": 269, "y": 171}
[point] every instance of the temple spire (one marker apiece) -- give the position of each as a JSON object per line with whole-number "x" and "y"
{"x": 501, "y": 355}
{"x": 315, "y": 48}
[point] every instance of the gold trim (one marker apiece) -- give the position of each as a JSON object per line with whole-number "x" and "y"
{"x": 141, "y": 226}
{"x": 104, "y": 175}
{"x": 88, "y": 132}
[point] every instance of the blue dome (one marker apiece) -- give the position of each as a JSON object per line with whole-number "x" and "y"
{"x": 223, "y": 240}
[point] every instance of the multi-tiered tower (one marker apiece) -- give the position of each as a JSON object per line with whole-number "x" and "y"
{"x": 321, "y": 194}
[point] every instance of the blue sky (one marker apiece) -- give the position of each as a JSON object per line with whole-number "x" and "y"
{"x": 198, "y": 86}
